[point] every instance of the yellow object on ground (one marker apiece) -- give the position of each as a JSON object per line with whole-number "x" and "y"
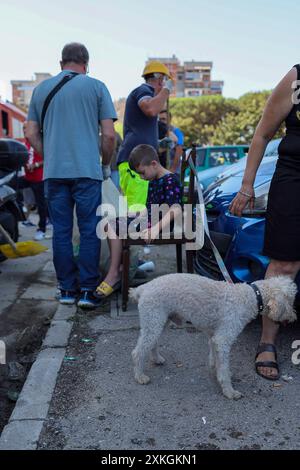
{"x": 28, "y": 248}
{"x": 133, "y": 187}
{"x": 20, "y": 249}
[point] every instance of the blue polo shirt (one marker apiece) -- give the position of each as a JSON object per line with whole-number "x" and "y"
{"x": 71, "y": 126}
{"x": 138, "y": 128}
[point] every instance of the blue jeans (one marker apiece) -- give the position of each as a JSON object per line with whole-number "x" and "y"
{"x": 62, "y": 195}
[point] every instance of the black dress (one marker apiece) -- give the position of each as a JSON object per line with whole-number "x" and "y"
{"x": 282, "y": 230}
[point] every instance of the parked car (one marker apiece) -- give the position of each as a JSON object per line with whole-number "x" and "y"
{"x": 211, "y": 161}
{"x": 239, "y": 239}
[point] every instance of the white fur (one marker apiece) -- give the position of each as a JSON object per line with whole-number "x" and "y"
{"x": 219, "y": 309}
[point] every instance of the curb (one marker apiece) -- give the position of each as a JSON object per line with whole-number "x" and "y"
{"x": 27, "y": 420}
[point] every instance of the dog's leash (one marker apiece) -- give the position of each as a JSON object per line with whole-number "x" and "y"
{"x": 218, "y": 257}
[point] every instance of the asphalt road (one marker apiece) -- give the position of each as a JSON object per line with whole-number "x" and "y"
{"x": 98, "y": 405}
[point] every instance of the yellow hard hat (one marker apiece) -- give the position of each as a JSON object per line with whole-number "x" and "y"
{"x": 156, "y": 67}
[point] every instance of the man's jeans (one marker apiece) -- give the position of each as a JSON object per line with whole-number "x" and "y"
{"x": 62, "y": 195}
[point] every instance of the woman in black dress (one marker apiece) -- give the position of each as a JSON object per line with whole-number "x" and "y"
{"x": 282, "y": 231}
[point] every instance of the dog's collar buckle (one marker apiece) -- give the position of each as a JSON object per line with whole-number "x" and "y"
{"x": 260, "y": 304}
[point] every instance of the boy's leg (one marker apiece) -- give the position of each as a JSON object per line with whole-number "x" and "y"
{"x": 61, "y": 205}
{"x": 87, "y": 195}
{"x": 115, "y": 246}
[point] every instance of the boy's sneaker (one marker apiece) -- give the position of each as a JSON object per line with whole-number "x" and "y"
{"x": 88, "y": 300}
{"x": 39, "y": 235}
{"x": 67, "y": 297}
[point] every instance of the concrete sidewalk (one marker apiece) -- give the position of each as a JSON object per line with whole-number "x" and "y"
{"x": 96, "y": 404}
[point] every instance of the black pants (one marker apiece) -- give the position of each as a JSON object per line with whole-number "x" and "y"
{"x": 38, "y": 191}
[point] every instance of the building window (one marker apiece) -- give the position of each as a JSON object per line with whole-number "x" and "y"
{"x": 17, "y": 129}
{"x": 192, "y": 75}
{"x": 5, "y": 125}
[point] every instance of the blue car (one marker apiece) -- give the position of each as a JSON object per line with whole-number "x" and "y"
{"x": 211, "y": 161}
{"x": 239, "y": 239}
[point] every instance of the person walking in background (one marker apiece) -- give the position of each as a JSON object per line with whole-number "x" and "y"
{"x": 177, "y": 149}
{"x": 140, "y": 127}
{"x": 166, "y": 141}
{"x": 33, "y": 179}
{"x": 282, "y": 228}
{"x": 72, "y": 166}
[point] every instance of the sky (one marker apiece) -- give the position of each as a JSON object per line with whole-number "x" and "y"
{"x": 252, "y": 44}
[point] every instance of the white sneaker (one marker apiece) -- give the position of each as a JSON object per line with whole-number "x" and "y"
{"x": 148, "y": 266}
{"x": 39, "y": 235}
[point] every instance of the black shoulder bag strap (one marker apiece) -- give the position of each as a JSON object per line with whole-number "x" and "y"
{"x": 52, "y": 93}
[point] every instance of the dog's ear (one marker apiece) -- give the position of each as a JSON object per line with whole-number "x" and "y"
{"x": 281, "y": 303}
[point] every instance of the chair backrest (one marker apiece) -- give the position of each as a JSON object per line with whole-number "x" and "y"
{"x": 188, "y": 198}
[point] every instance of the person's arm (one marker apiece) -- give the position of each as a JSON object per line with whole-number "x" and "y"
{"x": 153, "y": 232}
{"x": 177, "y": 156}
{"x": 173, "y": 193}
{"x": 276, "y": 110}
{"x": 107, "y": 140}
{"x": 33, "y": 135}
{"x": 153, "y": 106}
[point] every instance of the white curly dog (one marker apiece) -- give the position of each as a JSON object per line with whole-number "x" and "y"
{"x": 220, "y": 309}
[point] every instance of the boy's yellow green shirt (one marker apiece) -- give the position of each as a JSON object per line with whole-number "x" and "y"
{"x": 133, "y": 187}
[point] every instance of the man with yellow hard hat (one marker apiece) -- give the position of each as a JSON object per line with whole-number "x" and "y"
{"x": 143, "y": 105}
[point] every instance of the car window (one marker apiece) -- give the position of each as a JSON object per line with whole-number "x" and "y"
{"x": 200, "y": 157}
{"x": 223, "y": 157}
{"x": 245, "y": 151}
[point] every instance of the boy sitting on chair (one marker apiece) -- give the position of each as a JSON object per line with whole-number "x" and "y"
{"x": 164, "y": 188}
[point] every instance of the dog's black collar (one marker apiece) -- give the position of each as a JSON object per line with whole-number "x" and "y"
{"x": 260, "y": 304}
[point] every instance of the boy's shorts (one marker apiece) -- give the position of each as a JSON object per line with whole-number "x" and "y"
{"x": 133, "y": 187}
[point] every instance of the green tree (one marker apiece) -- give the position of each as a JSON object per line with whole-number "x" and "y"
{"x": 215, "y": 120}
{"x": 198, "y": 117}
{"x": 239, "y": 128}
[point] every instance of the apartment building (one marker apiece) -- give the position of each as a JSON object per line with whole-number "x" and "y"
{"x": 192, "y": 78}
{"x": 22, "y": 89}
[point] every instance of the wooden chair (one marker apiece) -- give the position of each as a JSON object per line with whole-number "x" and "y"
{"x": 187, "y": 199}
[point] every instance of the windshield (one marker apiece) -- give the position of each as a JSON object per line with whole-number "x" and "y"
{"x": 223, "y": 157}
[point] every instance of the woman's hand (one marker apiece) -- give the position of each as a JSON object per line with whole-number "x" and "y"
{"x": 244, "y": 196}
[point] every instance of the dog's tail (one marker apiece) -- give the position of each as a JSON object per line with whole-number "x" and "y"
{"x": 135, "y": 293}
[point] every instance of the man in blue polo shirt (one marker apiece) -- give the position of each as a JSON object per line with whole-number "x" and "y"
{"x": 73, "y": 172}
{"x": 140, "y": 127}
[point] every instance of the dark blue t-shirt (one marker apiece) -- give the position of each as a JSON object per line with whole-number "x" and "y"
{"x": 138, "y": 128}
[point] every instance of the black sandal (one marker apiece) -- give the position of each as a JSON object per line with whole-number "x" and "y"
{"x": 266, "y": 347}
